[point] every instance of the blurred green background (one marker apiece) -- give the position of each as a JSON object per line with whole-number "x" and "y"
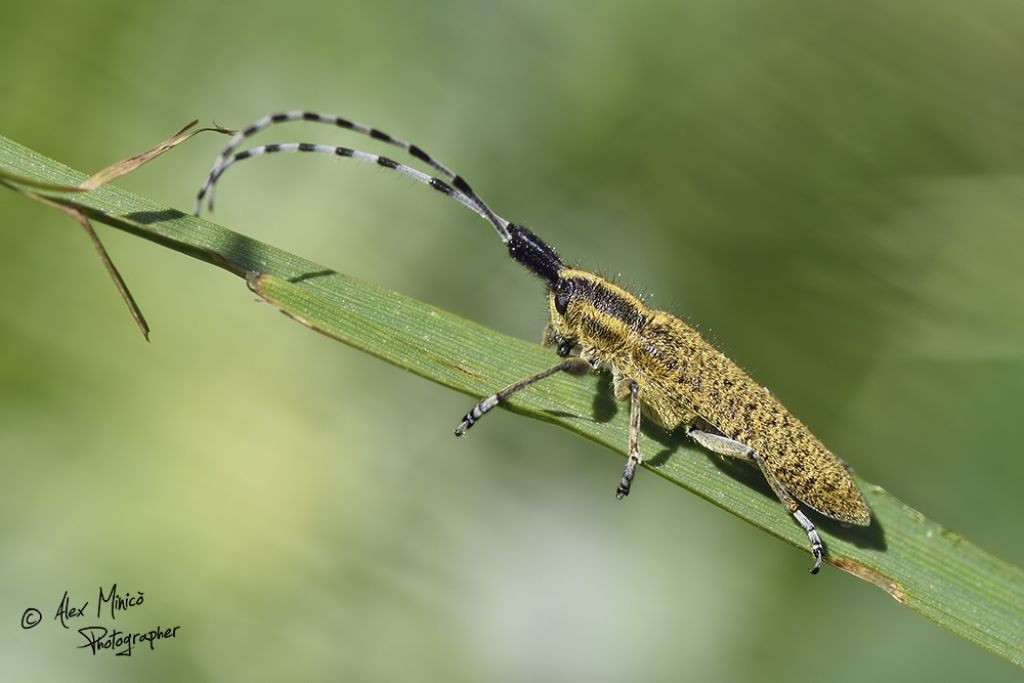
{"x": 833, "y": 194}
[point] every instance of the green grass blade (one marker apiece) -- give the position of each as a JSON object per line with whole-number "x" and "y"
{"x": 920, "y": 564}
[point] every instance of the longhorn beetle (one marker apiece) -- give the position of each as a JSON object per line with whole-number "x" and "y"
{"x": 668, "y": 372}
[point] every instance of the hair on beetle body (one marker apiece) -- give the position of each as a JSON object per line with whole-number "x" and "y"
{"x": 669, "y": 373}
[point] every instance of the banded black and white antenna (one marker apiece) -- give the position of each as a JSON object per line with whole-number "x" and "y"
{"x": 458, "y": 189}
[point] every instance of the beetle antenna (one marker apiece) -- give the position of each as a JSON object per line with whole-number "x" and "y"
{"x": 458, "y": 189}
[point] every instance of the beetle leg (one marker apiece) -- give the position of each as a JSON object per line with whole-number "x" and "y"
{"x": 634, "y": 441}
{"x": 722, "y": 445}
{"x": 574, "y": 366}
{"x": 716, "y": 443}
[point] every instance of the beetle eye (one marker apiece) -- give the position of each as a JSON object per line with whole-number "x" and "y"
{"x": 563, "y": 292}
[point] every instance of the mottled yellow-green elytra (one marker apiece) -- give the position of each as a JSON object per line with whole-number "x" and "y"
{"x": 667, "y": 370}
